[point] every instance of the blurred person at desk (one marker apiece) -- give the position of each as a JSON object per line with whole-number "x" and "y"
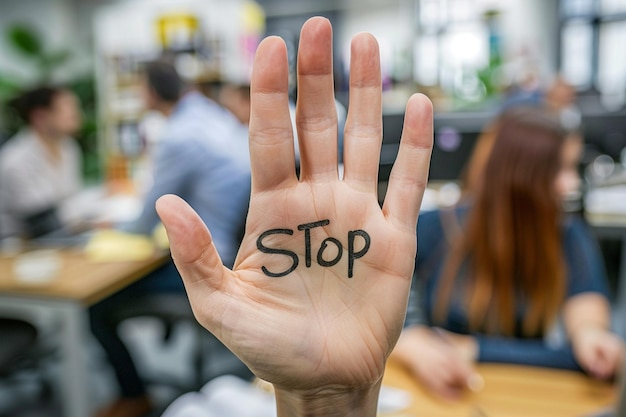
{"x": 202, "y": 156}
{"x": 496, "y": 273}
{"x": 40, "y": 167}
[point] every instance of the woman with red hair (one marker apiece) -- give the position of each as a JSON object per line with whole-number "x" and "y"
{"x": 499, "y": 272}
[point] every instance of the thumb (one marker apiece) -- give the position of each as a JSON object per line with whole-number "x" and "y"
{"x": 191, "y": 244}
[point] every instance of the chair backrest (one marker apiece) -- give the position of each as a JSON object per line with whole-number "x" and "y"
{"x": 18, "y": 338}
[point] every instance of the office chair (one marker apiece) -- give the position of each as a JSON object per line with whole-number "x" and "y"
{"x": 170, "y": 310}
{"x": 24, "y": 356}
{"x": 18, "y": 341}
{"x": 20, "y": 354}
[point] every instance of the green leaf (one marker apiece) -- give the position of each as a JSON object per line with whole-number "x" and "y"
{"x": 25, "y": 40}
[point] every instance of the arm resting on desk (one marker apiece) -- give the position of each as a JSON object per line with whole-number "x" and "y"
{"x": 532, "y": 352}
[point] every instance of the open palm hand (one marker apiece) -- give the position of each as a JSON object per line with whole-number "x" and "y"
{"x": 319, "y": 289}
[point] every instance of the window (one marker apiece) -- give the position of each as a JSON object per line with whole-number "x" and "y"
{"x": 611, "y": 63}
{"x": 577, "y": 53}
{"x": 452, "y": 46}
{"x": 592, "y": 41}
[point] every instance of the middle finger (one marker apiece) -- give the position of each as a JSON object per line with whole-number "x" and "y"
{"x": 316, "y": 114}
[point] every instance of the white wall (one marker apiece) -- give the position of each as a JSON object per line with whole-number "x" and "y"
{"x": 391, "y": 24}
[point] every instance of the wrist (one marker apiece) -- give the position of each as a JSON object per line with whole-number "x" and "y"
{"x": 470, "y": 349}
{"x": 467, "y": 345}
{"x": 328, "y": 401}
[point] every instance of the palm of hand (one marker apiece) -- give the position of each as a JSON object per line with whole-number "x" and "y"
{"x": 310, "y": 315}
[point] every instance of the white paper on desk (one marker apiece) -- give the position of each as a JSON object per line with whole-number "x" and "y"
{"x": 225, "y": 396}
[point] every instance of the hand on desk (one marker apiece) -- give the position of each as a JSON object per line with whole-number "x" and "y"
{"x": 586, "y": 318}
{"x": 442, "y": 361}
{"x": 598, "y": 351}
{"x": 318, "y": 294}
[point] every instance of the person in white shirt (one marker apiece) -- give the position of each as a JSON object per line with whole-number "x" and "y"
{"x": 40, "y": 166}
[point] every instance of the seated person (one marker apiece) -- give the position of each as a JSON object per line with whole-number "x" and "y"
{"x": 202, "y": 156}
{"x": 40, "y": 167}
{"x": 496, "y": 273}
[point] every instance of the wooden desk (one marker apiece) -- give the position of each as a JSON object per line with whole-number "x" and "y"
{"x": 79, "y": 279}
{"x": 78, "y": 284}
{"x": 510, "y": 391}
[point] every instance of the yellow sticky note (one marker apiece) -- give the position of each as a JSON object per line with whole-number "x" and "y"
{"x": 113, "y": 245}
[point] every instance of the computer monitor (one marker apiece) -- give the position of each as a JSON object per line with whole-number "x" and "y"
{"x": 455, "y": 137}
{"x": 605, "y": 133}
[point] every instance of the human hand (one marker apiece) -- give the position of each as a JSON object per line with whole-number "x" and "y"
{"x": 318, "y": 324}
{"x": 598, "y": 351}
{"x": 466, "y": 345}
{"x": 438, "y": 362}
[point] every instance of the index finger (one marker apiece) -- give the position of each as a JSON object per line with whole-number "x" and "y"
{"x": 271, "y": 135}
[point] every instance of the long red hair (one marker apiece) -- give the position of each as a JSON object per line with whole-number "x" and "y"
{"x": 510, "y": 252}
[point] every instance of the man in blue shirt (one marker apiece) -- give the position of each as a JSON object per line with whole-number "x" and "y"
{"x": 202, "y": 157}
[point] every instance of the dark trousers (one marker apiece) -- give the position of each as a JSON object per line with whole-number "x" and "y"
{"x": 105, "y": 319}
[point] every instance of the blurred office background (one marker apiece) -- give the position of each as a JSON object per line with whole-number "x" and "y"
{"x": 471, "y": 57}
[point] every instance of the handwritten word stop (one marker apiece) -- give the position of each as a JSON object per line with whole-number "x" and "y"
{"x": 321, "y": 258}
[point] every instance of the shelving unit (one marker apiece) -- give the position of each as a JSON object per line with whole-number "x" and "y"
{"x": 208, "y": 40}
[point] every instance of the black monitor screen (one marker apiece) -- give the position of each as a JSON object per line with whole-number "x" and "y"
{"x": 605, "y": 133}
{"x": 455, "y": 137}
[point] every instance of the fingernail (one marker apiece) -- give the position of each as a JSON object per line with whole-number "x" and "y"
{"x": 475, "y": 383}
